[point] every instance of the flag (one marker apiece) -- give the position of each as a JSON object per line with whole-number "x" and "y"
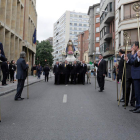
{"x": 34, "y": 37}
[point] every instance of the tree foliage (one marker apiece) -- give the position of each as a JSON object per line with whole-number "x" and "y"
{"x": 44, "y": 52}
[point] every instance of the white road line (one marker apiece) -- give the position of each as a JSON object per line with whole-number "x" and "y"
{"x": 65, "y": 98}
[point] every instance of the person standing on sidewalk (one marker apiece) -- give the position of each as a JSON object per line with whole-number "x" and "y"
{"x": 12, "y": 69}
{"x": 22, "y": 68}
{"x": 39, "y": 70}
{"x": 114, "y": 73}
{"x": 109, "y": 72}
{"x": 46, "y": 71}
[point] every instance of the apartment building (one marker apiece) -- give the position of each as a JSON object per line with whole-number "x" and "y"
{"x": 83, "y": 46}
{"x": 68, "y": 26}
{"x": 94, "y": 30}
{"x": 107, "y": 31}
{"x": 18, "y": 21}
{"x": 126, "y": 20}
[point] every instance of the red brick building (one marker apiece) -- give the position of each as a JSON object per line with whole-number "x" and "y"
{"x": 83, "y": 45}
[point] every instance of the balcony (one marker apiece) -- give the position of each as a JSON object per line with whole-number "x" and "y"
{"x": 108, "y": 51}
{"x": 109, "y": 17}
{"x": 130, "y": 16}
{"x": 107, "y": 36}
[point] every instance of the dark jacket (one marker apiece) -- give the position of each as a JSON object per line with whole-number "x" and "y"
{"x": 101, "y": 68}
{"x": 1, "y": 48}
{"x": 74, "y": 68}
{"x": 2, "y": 58}
{"x": 21, "y": 69}
{"x": 135, "y": 68}
{"x": 56, "y": 69}
{"x": 12, "y": 68}
{"x": 121, "y": 66}
{"x": 66, "y": 70}
{"x": 4, "y": 67}
{"x": 61, "y": 68}
{"x": 46, "y": 70}
{"x": 128, "y": 68}
{"x": 83, "y": 69}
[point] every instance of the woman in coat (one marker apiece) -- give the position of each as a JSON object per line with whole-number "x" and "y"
{"x": 12, "y": 69}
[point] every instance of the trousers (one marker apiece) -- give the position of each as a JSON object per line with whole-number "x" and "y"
{"x": 20, "y": 87}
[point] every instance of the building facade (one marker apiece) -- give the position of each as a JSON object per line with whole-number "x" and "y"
{"x": 18, "y": 21}
{"x": 94, "y": 30}
{"x": 50, "y": 39}
{"x": 107, "y": 31}
{"x": 83, "y": 46}
{"x": 126, "y": 20}
{"x": 68, "y": 26}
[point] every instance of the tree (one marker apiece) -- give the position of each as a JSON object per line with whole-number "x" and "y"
{"x": 44, "y": 53}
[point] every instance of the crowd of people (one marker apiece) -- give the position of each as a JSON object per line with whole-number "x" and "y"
{"x": 73, "y": 73}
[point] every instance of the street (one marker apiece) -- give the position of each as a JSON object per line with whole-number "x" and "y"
{"x": 73, "y": 112}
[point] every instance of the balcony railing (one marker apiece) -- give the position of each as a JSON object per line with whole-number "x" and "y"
{"x": 130, "y": 16}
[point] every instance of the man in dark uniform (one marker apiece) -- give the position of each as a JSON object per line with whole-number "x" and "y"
{"x": 129, "y": 82}
{"x": 73, "y": 73}
{"x": 56, "y": 72}
{"x": 101, "y": 72}
{"x": 121, "y": 67}
{"x": 66, "y": 71}
{"x": 61, "y": 75}
{"x": 4, "y": 68}
{"x": 46, "y": 71}
{"x": 83, "y": 71}
{"x": 22, "y": 68}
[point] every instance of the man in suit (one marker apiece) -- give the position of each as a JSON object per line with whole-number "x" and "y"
{"x": 4, "y": 68}
{"x": 61, "y": 75}
{"x": 73, "y": 73}
{"x": 121, "y": 67}
{"x": 129, "y": 83}
{"x": 83, "y": 70}
{"x": 22, "y": 68}
{"x": 66, "y": 71}
{"x": 135, "y": 72}
{"x": 101, "y": 72}
{"x": 46, "y": 71}
{"x": 56, "y": 73}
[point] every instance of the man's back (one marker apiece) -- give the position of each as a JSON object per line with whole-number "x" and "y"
{"x": 21, "y": 69}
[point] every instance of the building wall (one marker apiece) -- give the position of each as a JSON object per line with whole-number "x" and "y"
{"x": 93, "y": 12}
{"x": 18, "y": 19}
{"x": 125, "y": 21}
{"x": 83, "y": 46}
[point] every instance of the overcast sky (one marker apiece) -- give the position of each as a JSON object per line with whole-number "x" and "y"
{"x": 50, "y": 10}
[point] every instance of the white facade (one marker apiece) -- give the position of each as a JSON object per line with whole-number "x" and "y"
{"x": 68, "y": 26}
{"x": 125, "y": 21}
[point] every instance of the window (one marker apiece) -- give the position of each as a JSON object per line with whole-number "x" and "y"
{"x": 70, "y": 32}
{"x": 80, "y": 16}
{"x": 80, "y": 24}
{"x": 97, "y": 39}
{"x": 97, "y": 49}
{"x": 97, "y": 30}
{"x": 98, "y": 9}
{"x": 71, "y": 15}
{"x": 70, "y": 23}
{"x": 111, "y": 7}
{"x": 75, "y": 33}
{"x": 97, "y": 20}
{"x": 75, "y": 24}
{"x": 75, "y": 28}
{"x": 70, "y": 28}
{"x": 85, "y": 25}
{"x": 80, "y": 28}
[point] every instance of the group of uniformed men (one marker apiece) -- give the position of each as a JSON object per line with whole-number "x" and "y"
{"x": 65, "y": 71}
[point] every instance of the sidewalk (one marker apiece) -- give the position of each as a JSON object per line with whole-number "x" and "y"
{"x": 13, "y": 86}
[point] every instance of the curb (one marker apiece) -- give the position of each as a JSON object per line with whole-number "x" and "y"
{"x": 9, "y": 91}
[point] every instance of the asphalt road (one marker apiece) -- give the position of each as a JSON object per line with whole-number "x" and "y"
{"x": 75, "y": 112}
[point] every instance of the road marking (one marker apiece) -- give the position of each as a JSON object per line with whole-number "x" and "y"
{"x": 65, "y": 98}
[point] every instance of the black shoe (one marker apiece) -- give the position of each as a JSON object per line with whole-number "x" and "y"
{"x": 137, "y": 111}
{"x": 125, "y": 105}
{"x": 122, "y": 100}
{"x": 133, "y": 109}
{"x": 19, "y": 99}
{"x": 100, "y": 90}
